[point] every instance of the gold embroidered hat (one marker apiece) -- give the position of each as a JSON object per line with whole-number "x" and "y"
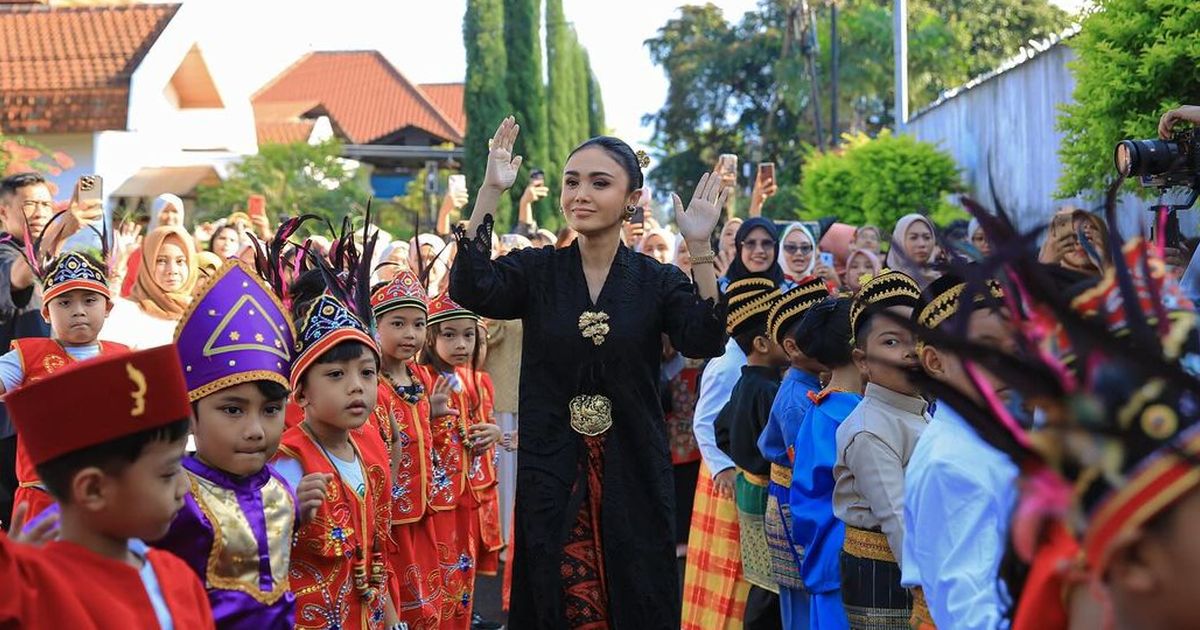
{"x": 943, "y": 299}
{"x": 750, "y": 300}
{"x": 789, "y": 309}
{"x": 888, "y": 289}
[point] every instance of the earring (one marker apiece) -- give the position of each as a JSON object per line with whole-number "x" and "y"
{"x": 629, "y": 210}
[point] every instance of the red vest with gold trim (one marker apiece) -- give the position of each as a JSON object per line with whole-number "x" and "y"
{"x": 481, "y": 396}
{"x": 40, "y": 357}
{"x": 448, "y": 476}
{"x": 338, "y": 569}
{"x": 411, "y": 452}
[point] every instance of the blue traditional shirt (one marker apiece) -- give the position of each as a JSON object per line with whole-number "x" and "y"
{"x": 959, "y": 494}
{"x": 815, "y": 527}
{"x": 716, "y": 386}
{"x": 791, "y": 403}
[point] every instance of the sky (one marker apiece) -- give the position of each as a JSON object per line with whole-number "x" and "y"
{"x": 423, "y": 39}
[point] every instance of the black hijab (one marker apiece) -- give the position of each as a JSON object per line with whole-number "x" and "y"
{"x": 737, "y": 270}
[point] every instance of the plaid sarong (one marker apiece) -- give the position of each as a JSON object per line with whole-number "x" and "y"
{"x": 714, "y": 593}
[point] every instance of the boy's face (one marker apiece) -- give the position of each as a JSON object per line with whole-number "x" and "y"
{"x": 988, "y": 327}
{"x": 889, "y": 352}
{"x": 237, "y": 429}
{"x": 456, "y": 341}
{"x": 77, "y": 316}
{"x": 341, "y": 394}
{"x": 401, "y": 333}
{"x": 143, "y": 499}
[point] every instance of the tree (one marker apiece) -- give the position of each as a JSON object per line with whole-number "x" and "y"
{"x": 560, "y": 97}
{"x": 1135, "y": 59}
{"x": 596, "y": 126}
{"x": 526, "y": 90}
{"x": 486, "y": 100}
{"x": 878, "y": 180}
{"x": 19, "y": 154}
{"x": 295, "y": 178}
{"x": 580, "y": 77}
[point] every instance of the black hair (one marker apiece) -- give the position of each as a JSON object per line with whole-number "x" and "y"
{"x": 866, "y": 322}
{"x": 824, "y": 333}
{"x": 217, "y": 231}
{"x": 309, "y": 286}
{"x": 11, "y": 184}
{"x": 618, "y": 150}
{"x": 112, "y": 457}
{"x": 745, "y": 339}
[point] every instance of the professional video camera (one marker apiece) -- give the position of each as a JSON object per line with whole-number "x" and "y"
{"x": 1164, "y": 164}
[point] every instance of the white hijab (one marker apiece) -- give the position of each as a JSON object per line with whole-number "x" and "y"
{"x": 785, "y": 258}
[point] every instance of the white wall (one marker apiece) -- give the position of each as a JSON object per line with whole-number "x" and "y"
{"x": 1007, "y": 124}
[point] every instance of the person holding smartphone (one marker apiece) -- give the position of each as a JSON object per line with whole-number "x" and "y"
{"x": 1064, "y": 248}
{"x": 534, "y": 192}
{"x": 764, "y": 188}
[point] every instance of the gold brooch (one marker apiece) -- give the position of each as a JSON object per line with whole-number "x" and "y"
{"x": 594, "y": 326}
{"x": 591, "y": 415}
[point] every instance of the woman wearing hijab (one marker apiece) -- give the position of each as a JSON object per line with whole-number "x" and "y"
{"x": 659, "y": 244}
{"x": 167, "y": 209}
{"x": 434, "y": 260}
{"x": 914, "y": 248}
{"x": 756, "y": 254}
{"x": 162, "y": 291}
{"x": 1062, "y": 246}
{"x": 861, "y": 265}
{"x": 977, "y": 238}
{"x": 799, "y": 252}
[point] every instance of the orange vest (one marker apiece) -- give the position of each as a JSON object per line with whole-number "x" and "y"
{"x": 410, "y": 485}
{"x": 338, "y": 571}
{"x": 448, "y": 477}
{"x": 40, "y": 357}
{"x": 483, "y": 466}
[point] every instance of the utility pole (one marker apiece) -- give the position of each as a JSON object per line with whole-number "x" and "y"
{"x": 900, "y": 50}
{"x": 805, "y": 24}
{"x": 833, "y": 69}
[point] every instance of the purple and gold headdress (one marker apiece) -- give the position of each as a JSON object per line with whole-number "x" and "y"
{"x": 235, "y": 331}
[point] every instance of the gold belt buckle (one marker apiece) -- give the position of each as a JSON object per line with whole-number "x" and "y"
{"x": 591, "y": 415}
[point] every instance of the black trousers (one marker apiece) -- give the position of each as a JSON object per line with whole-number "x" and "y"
{"x": 762, "y": 610}
{"x": 8, "y": 477}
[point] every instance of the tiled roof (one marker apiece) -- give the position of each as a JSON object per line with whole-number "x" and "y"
{"x": 68, "y": 69}
{"x": 366, "y": 98}
{"x": 449, "y": 98}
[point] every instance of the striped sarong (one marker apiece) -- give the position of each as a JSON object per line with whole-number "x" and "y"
{"x": 871, "y": 590}
{"x": 714, "y": 593}
{"x": 785, "y": 556}
{"x": 751, "y": 496}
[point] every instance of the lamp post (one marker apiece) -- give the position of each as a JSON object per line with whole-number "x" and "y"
{"x": 900, "y": 50}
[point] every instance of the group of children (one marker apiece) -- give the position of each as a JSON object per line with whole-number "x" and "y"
{"x": 343, "y": 473}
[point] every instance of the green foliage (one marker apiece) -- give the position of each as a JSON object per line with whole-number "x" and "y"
{"x": 596, "y": 126}
{"x": 295, "y": 178}
{"x": 1135, "y": 59}
{"x": 879, "y": 180}
{"x": 561, "y": 103}
{"x": 486, "y": 98}
{"x": 733, "y": 90}
{"x": 526, "y": 90}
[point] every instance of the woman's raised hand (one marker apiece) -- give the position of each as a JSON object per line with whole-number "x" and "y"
{"x": 698, "y": 221}
{"x": 502, "y": 165}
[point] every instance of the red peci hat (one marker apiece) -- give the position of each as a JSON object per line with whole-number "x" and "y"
{"x": 126, "y": 393}
{"x": 404, "y": 290}
{"x": 444, "y": 309}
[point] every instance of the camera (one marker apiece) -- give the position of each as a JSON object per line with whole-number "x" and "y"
{"x": 1162, "y": 163}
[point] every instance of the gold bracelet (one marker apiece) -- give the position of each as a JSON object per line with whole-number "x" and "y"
{"x": 704, "y": 259}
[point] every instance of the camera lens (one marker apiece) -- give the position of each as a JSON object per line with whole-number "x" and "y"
{"x": 1138, "y": 158}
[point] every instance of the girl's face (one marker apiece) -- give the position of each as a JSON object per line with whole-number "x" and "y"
{"x": 856, "y": 268}
{"x": 595, "y": 192}
{"x": 1077, "y": 256}
{"x": 455, "y": 341}
{"x": 655, "y": 247}
{"x": 170, "y": 265}
{"x": 758, "y": 251}
{"x": 918, "y": 242}
{"x": 798, "y": 251}
{"x": 729, "y": 235}
{"x": 867, "y": 239}
{"x": 980, "y": 242}
{"x": 226, "y": 243}
{"x": 401, "y": 332}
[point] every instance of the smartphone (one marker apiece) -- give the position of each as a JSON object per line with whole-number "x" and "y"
{"x": 90, "y": 189}
{"x": 457, "y": 184}
{"x": 639, "y": 216}
{"x": 727, "y": 165}
{"x": 256, "y": 206}
{"x": 827, "y": 259}
{"x": 766, "y": 170}
{"x": 538, "y": 176}
{"x": 1061, "y": 221}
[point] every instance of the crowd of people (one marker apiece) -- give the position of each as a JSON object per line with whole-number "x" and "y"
{"x": 824, "y": 425}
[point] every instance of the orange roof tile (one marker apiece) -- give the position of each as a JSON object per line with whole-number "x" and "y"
{"x": 449, "y": 98}
{"x": 366, "y": 97}
{"x": 68, "y": 69}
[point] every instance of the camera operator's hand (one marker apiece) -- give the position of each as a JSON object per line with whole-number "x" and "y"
{"x": 1177, "y": 257}
{"x": 1187, "y": 114}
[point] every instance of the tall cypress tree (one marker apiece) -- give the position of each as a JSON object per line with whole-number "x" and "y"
{"x": 596, "y": 125}
{"x": 523, "y": 43}
{"x": 486, "y": 99}
{"x": 561, "y": 104}
{"x": 580, "y": 78}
